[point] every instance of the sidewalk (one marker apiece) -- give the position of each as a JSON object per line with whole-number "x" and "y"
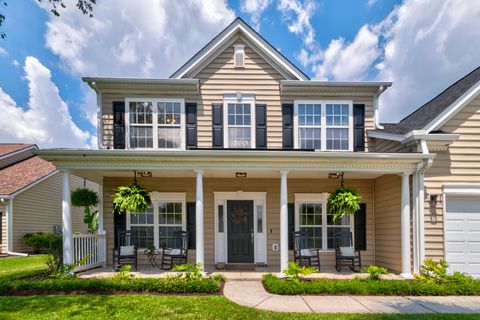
{"x": 251, "y": 293}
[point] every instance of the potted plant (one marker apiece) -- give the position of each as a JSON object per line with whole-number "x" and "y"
{"x": 83, "y": 197}
{"x": 343, "y": 201}
{"x": 132, "y": 198}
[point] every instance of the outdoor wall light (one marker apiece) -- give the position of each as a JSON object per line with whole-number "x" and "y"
{"x": 433, "y": 199}
{"x": 144, "y": 174}
{"x": 335, "y": 175}
{"x": 240, "y": 174}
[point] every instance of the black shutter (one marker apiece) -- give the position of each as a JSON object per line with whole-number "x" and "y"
{"x": 217, "y": 128}
{"x": 119, "y": 125}
{"x": 191, "y": 207}
{"x": 287, "y": 115}
{"x": 261, "y": 126}
{"x": 360, "y": 222}
{"x": 191, "y": 115}
{"x": 291, "y": 224}
{"x": 358, "y": 127}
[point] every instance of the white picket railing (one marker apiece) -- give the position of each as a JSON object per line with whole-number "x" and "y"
{"x": 92, "y": 246}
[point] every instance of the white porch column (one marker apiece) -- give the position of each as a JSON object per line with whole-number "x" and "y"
{"x": 405, "y": 226}
{"x": 283, "y": 221}
{"x": 421, "y": 215}
{"x": 67, "y": 219}
{"x": 199, "y": 230}
{"x": 101, "y": 227}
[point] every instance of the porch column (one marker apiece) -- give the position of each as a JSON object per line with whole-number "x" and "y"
{"x": 421, "y": 215}
{"x": 199, "y": 219}
{"x": 405, "y": 226}
{"x": 67, "y": 219}
{"x": 283, "y": 221}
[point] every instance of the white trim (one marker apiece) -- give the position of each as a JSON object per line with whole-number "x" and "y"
{"x": 8, "y": 155}
{"x": 323, "y": 123}
{"x": 456, "y": 106}
{"x": 154, "y": 123}
{"x": 461, "y": 189}
{"x": 213, "y": 50}
{"x": 322, "y": 199}
{"x": 243, "y": 99}
{"x": 9, "y": 216}
{"x": 221, "y": 198}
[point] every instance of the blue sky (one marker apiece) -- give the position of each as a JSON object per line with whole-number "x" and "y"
{"x": 391, "y": 40}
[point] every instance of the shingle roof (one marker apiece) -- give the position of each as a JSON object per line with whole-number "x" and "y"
{"x": 6, "y": 148}
{"x": 21, "y": 174}
{"x": 430, "y": 110}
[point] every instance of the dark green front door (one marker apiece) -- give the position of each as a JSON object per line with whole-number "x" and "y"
{"x": 240, "y": 231}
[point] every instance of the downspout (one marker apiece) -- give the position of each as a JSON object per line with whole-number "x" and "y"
{"x": 421, "y": 167}
{"x": 10, "y": 228}
{"x": 376, "y": 113}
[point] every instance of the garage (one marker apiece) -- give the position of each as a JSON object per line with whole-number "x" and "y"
{"x": 462, "y": 233}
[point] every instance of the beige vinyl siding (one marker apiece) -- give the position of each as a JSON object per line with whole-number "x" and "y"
{"x": 381, "y": 145}
{"x": 3, "y": 226}
{"x": 220, "y": 77}
{"x": 459, "y": 164}
{"x": 387, "y": 222}
{"x": 270, "y": 186}
{"x": 39, "y": 209}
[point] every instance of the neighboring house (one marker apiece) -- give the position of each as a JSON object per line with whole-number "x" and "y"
{"x": 241, "y": 148}
{"x": 30, "y": 196}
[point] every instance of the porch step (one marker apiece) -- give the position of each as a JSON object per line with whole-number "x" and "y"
{"x": 242, "y": 266}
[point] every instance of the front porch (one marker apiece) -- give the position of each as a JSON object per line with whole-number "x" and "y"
{"x": 273, "y": 187}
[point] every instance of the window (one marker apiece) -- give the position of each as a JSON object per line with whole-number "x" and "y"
{"x": 220, "y": 218}
{"x": 312, "y": 217}
{"x": 157, "y": 225}
{"x": 324, "y": 125}
{"x": 260, "y": 218}
{"x": 239, "y": 117}
{"x": 156, "y": 123}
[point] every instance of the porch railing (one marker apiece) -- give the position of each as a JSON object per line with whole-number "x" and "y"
{"x": 91, "y": 247}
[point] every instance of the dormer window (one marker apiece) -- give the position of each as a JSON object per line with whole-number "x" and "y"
{"x": 239, "y": 56}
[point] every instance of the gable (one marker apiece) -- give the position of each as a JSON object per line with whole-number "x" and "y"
{"x": 239, "y": 29}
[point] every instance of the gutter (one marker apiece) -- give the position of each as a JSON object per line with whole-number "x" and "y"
{"x": 376, "y": 112}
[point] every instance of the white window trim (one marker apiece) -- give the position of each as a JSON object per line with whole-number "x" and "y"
{"x": 323, "y": 130}
{"x": 157, "y": 197}
{"x": 319, "y": 198}
{"x": 245, "y": 100}
{"x": 155, "y": 124}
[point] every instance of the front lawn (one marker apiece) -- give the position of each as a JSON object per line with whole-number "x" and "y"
{"x": 165, "y": 307}
{"x": 21, "y": 267}
{"x": 357, "y": 286}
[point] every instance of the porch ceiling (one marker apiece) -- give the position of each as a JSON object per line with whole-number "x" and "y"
{"x": 95, "y": 164}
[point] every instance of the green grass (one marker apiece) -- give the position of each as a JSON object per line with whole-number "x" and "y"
{"x": 357, "y": 286}
{"x": 164, "y": 307}
{"x": 20, "y": 267}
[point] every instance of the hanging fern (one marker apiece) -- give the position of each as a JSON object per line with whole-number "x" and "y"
{"x": 343, "y": 201}
{"x": 132, "y": 198}
{"x": 83, "y": 197}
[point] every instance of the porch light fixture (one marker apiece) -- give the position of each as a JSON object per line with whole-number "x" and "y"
{"x": 433, "y": 199}
{"x": 334, "y": 175}
{"x": 240, "y": 174}
{"x": 144, "y": 174}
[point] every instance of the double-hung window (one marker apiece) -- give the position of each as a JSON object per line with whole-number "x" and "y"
{"x": 313, "y": 218}
{"x": 156, "y": 123}
{"x": 157, "y": 225}
{"x": 324, "y": 125}
{"x": 239, "y": 118}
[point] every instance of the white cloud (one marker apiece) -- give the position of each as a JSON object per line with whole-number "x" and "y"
{"x": 46, "y": 120}
{"x": 370, "y": 3}
{"x": 128, "y": 39}
{"x": 3, "y": 52}
{"x": 15, "y": 63}
{"x": 255, "y": 8}
{"x": 298, "y": 14}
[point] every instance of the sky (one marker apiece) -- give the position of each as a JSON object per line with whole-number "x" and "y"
{"x": 422, "y": 46}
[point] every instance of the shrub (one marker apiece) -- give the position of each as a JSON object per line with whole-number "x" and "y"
{"x": 294, "y": 271}
{"x": 124, "y": 273}
{"x": 374, "y": 272}
{"x": 437, "y": 272}
{"x": 83, "y": 197}
{"x": 39, "y": 241}
{"x": 55, "y": 258}
{"x": 189, "y": 271}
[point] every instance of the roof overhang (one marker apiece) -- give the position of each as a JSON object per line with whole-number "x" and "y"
{"x": 320, "y": 87}
{"x": 141, "y": 85}
{"x": 435, "y": 141}
{"x": 80, "y": 160}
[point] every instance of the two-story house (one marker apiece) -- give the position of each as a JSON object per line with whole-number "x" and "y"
{"x": 240, "y": 135}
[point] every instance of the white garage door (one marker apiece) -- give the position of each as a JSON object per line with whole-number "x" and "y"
{"x": 462, "y": 234}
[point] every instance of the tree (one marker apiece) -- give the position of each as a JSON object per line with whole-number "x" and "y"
{"x": 85, "y": 6}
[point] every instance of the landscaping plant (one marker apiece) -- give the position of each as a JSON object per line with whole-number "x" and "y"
{"x": 132, "y": 198}
{"x": 83, "y": 197}
{"x": 39, "y": 241}
{"x": 189, "y": 271}
{"x": 343, "y": 201}
{"x": 124, "y": 273}
{"x": 294, "y": 272}
{"x": 374, "y": 272}
{"x": 437, "y": 272}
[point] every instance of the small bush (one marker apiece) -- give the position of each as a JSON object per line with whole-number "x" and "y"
{"x": 374, "y": 272}
{"x": 294, "y": 272}
{"x": 437, "y": 272}
{"x": 124, "y": 273}
{"x": 39, "y": 241}
{"x": 189, "y": 271}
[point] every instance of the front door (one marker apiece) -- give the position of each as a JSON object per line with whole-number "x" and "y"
{"x": 240, "y": 231}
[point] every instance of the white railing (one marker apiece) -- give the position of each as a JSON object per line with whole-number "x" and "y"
{"x": 91, "y": 247}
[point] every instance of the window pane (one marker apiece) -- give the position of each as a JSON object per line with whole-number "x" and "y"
{"x": 337, "y": 115}
{"x": 165, "y": 234}
{"x": 239, "y": 138}
{"x": 141, "y": 137}
{"x": 239, "y": 125}
{"x": 337, "y": 139}
{"x": 309, "y": 138}
{"x": 142, "y": 236}
{"x": 169, "y": 138}
{"x": 220, "y": 218}
{"x": 332, "y": 233}
{"x": 314, "y": 237}
{"x": 140, "y": 112}
{"x": 259, "y": 218}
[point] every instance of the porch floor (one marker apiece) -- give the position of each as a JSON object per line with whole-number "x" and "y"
{"x": 146, "y": 271}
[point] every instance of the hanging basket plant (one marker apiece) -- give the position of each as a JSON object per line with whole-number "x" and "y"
{"x": 132, "y": 198}
{"x": 83, "y": 197}
{"x": 343, "y": 201}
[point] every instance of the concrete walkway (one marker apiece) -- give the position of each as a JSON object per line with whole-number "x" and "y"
{"x": 251, "y": 293}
